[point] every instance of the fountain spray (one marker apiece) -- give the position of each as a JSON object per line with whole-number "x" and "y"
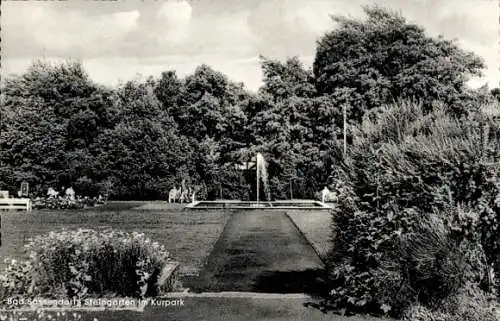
{"x": 262, "y": 174}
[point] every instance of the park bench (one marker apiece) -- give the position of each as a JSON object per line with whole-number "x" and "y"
{"x": 15, "y": 204}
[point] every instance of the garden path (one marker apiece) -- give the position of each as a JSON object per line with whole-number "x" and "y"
{"x": 261, "y": 251}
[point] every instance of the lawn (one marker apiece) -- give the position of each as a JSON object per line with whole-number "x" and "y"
{"x": 316, "y": 227}
{"x": 262, "y": 251}
{"x": 272, "y": 241}
{"x": 189, "y": 235}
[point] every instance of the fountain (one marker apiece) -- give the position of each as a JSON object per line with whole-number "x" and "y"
{"x": 262, "y": 175}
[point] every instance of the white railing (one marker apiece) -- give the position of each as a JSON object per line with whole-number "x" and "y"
{"x": 15, "y": 204}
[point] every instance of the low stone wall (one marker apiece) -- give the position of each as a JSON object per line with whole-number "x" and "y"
{"x": 169, "y": 280}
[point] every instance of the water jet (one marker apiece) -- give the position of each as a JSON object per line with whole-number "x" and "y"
{"x": 262, "y": 177}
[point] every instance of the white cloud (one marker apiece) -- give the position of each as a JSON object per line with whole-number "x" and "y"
{"x": 292, "y": 27}
{"x": 111, "y": 71}
{"x": 181, "y": 34}
{"x": 42, "y": 25}
{"x": 124, "y": 21}
{"x": 175, "y": 17}
{"x": 490, "y": 54}
{"x": 175, "y": 12}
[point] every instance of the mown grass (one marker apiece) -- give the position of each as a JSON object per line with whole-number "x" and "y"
{"x": 316, "y": 227}
{"x": 188, "y": 235}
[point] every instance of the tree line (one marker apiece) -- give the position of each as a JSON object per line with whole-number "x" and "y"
{"x": 59, "y": 128}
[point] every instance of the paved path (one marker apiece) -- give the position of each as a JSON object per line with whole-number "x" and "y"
{"x": 228, "y": 309}
{"x": 261, "y": 251}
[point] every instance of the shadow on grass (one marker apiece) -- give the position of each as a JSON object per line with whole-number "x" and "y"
{"x": 311, "y": 281}
{"x": 114, "y": 206}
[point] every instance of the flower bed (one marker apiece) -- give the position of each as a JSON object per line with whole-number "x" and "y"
{"x": 88, "y": 263}
{"x": 40, "y": 315}
{"x": 66, "y": 202}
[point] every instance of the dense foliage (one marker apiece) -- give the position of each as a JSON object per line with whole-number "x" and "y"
{"x": 417, "y": 224}
{"x": 376, "y": 61}
{"x": 143, "y": 154}
{"x": 52, "y": 117}
{"x": 469, "y": 304}
{"x": 419, "y": 209}
{"x": 59, "y": 129}
{"x": 83, "y": 263}
{"x": 66, "y": 202}
{"x": 292, "y": 128}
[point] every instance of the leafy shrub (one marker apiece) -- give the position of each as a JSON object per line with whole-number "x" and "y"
{"x": 435, "y": 264}
{"x": 40, "y": 315}
{"x": 469, "y": 304}
{"x": 419, "y": 312}
{"x": 87, "y": 262}
{"x": 65, "y": 202}
{"x": 17, "y": 279}
{"x": 403, "y": 167}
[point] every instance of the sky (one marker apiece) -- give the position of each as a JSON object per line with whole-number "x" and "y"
{"x": 119, "y": 40}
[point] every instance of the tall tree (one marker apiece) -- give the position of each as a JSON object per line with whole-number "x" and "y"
{"x": 143, "y": 154}
{"x": 207, "y": 107}
{"x": 283, "y": 80}
{"x": 383, "y": 58}
{"x": 169, "y": 90}
{"x": 292, "y": 127}
{"x": 53, "y": 115}
{"x": 211, "y": 105}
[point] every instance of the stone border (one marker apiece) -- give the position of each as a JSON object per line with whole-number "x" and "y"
{"x": 228, "y": 294}
{"x": 168, "y": 276}
{"x": 234, "y": 204}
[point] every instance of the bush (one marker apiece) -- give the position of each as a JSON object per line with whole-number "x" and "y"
{"x": 40, "y": 315}
{"x": 470, "y": 304}
{"x": 419, "y": 312}
{"x": 402, "y": 169}
{"x": 66, "y": 202}
{"x": 432, "y": 264}
{"x": 80, "y": 263}
{"x": 436, "y": 264}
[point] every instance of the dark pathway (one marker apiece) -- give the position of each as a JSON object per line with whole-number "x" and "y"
{"x": 261, "y": 251}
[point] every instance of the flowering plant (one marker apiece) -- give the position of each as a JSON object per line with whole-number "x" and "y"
{"x": 86, "y": 262}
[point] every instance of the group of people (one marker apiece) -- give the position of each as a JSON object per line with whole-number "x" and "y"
{"x": 182, "y": 194}
{"x": 69, "y": 193}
